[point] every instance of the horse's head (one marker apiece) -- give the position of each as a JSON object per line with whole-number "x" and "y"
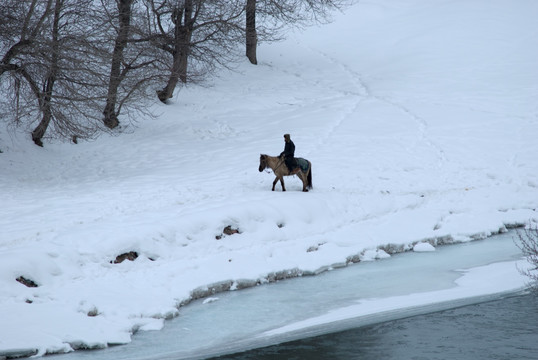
{"x": 263, "y": 162}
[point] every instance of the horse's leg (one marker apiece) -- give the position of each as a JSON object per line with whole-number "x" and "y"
{"x": 282, "y": 183}
{"x": 274, "y": 183}
{"x": 302, "y": 176}
{"x": 309, "y": 176}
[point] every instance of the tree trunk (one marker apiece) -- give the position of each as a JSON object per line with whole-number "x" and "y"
{"x": 111, "y": 117}
{"x": 46, "y": 104}
{"x": 179, "y": 70}
{"x": 182, "y": 43}
{"x": 251, "y": 35}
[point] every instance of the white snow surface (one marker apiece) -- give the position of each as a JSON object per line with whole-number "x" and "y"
{"x": 420, "y": 120}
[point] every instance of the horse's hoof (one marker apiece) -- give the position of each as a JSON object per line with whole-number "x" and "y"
{"x": 305, "y": 190}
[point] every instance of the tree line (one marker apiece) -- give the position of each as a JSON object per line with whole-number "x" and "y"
{"x": 71, "y": 68}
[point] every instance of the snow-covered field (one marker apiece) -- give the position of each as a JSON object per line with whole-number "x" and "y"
{"x": 419, "y": 117}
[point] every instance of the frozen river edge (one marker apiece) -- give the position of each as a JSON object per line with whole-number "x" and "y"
{"x": 380, "y": 299}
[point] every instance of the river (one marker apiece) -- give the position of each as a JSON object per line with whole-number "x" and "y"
{"x": 501, "y": 329}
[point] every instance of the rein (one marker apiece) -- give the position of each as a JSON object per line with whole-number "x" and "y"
{"x": 281, "y": 162}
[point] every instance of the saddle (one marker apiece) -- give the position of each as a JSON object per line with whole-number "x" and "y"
{"x": 302, "y": 164}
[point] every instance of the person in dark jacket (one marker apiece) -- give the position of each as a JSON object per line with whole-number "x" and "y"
{"x": 289, "y": 153}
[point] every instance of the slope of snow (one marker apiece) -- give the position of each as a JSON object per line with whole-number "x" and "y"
{"x": 419, "y": 118}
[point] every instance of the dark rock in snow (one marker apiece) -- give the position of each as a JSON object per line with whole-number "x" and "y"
{"x": 228, "y": 230}
{"x": 27, "y": 282}
{"x": 131, "y": 256}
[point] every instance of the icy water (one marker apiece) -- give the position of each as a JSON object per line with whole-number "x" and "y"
{"x": 500, "y": 329}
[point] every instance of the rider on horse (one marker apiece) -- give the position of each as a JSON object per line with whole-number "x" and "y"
{"x": 289, "y": 153}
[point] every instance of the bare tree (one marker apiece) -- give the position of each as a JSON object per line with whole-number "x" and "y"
{"x": 69, "y": 68}
{"x": 124, "y": 20}
{"x": 279, "y": 14}
{"x": 48, "y": 81}
{"x": 183, "y": 16}
{"x": 527, "y": 241}
{"x": 21, "y": 24}
{"x": 197, "y": 34}
{"x": 133, "y": 64}
{"x": 70, "y": 59}
{"x": 250, "y": 30}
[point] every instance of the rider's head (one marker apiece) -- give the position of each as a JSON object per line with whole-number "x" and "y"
{"x": 287, "y": 137}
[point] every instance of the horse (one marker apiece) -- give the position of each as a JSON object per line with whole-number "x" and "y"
{"x": 280, "y": 169}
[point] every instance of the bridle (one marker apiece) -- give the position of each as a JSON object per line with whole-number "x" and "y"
{"x": 267, "y": 166}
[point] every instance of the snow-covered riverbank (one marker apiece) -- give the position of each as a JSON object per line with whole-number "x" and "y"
{"x": 419, "y": 118}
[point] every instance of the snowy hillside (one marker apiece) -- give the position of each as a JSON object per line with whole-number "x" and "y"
{"x": 419, "y": 117}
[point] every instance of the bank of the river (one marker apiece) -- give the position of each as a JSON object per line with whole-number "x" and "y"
{"x": 402, "y": 286}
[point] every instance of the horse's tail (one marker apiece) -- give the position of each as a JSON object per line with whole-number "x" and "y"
{"x": 310, "y": 177}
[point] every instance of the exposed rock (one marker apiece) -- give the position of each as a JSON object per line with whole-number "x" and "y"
{"x": 93, "y": 312}
{"x": 245, "y": 283}
{"x": 17, "y": 353}
{"x": 354, "y": 259}
{"x": 27, "y": 282}
{"x": 212, "y": 289}
{"x": 515, "y": 225}
{"x": 228, "y": 230}
{"x": 393, "y": 248}
{"x": 284, "y": 274}
{"x": 79, "y": 345}
{"x": 131, "y": 256}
